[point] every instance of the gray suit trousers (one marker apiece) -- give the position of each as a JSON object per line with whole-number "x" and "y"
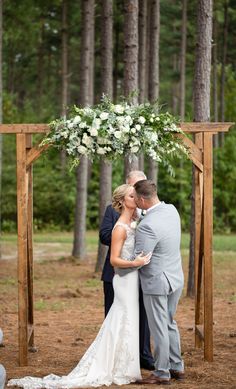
{"x": 160, "y": 311}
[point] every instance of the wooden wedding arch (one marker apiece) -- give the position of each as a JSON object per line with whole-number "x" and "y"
{"x": 201, "y": 155}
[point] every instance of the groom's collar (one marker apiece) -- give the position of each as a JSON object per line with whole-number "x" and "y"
{"x": 154, "y": 206}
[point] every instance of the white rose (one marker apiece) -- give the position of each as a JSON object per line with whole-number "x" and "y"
{"x": 118, "y": 134}
{"x": 96, "y": 123}
{"x": 142, "y": 120}
{"x": 128, "y": 119}
{"x": 77, "y": 119}
{"x": 104, "y": 115}
{"x": 101, "y": 151}
{"x": 134, "y": 149}
{"x": 93, "y": 131}
{"x": 87, "y": 140}
{"x": 64, "y": 134}
{"x": 70, "y": 125}
{"x": 133, "y": 130}
{"x": 118, "y": 108}
{"x": 82, "y": 125}
{"x": 138, "y": 127}
{"x": 81, "y": 149}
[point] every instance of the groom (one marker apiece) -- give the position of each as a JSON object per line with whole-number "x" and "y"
{"x": 161, "y": 280}
{"x": 109, "y": 220}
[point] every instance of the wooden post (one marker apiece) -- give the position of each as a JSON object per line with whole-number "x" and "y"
{"x": 30, "y": 246}
{"x": 197, "y": 248}
{"x": 207, "y": 246}
{"x": 22, "y": 246}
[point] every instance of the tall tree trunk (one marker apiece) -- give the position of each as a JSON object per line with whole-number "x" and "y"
{"x": 182, "y": 73}
{"x": 222, "y": 81}
{"x": 175, "y": 87}
{"x": 107, "y": 88}
{"x": 153, "y": 87}
{"x": 183, "y": 58}
{"x": 64, "y": 71}
{"x": 1, "y": 119}
{"x": 214, "y": 79}
{"x": 142, "y": 50}
{"x": 87, "y": 9}
{"x": 40, "y": 67}
{"x": 142, "y": 60}
{"x": 131, "y": 63}
{"x": 201, "y": 101}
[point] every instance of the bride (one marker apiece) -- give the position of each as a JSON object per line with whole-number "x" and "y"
{"x": 113, "y": 357}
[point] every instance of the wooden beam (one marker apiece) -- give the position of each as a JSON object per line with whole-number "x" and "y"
{"x": 34, "y": 153}
{"x": 22, "y": 246}
{"x": 186, "y": 127}
{"x": 24, "y": 128}
{"x": 206, "y": 127}
{"x": 207, "y": 246}
{"x": 195, "y": 151}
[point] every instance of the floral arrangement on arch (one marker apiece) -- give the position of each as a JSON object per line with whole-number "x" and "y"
{"x": 113, "y": 130}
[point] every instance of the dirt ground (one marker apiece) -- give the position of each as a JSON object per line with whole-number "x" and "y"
{"x": 69, "y": 312}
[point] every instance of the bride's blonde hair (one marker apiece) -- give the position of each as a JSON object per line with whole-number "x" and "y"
{"x": 118, "y": 196}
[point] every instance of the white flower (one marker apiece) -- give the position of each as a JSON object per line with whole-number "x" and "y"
{"x": 82, "y": 125}
{"x": 138, "y": 127}
{"x": 154, "y": 137}
{"x": 118, "y": 109}
{"x": 64, "y": 134}
{"x": 93, "y": 131}
{"x": 141, "y": 120}
{"x": 101, "y": 151}
{"x": 128, "y": 119}
{"x": 70, "y": 125}
{"x": 96, "y": 123}
{"x": 81, "y": 149}
{"x": 134, "y": 149}
{"x": 133, "y": 130}
{"x": 87, "y": 140}
{"x": 77, "y": 119}
{"x": 118, "y": 134}
{"x": 104, "y": 115}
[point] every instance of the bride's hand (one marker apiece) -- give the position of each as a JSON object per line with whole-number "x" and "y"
{"x": 142, "y": 260}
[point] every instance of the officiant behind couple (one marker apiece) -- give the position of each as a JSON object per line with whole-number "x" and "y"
{"x": 113, "y": 357}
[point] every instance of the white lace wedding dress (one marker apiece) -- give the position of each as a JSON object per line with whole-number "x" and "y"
{"x": 113, "y": 357}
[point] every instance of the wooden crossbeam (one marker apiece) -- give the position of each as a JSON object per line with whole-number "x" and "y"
{"x": 206, "y": 127}
{"x": 24, "y": 128}
{"x": 186, "y": 127}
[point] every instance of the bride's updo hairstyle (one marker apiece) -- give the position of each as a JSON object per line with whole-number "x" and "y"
{"x": 118, "y": 197}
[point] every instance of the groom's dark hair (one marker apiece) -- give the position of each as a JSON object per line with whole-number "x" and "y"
{"x": 146, "y": 189}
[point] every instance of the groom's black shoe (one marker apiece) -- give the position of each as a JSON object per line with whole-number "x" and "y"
{"x": 147, "y": 365}
{"x": 177, "y": 375}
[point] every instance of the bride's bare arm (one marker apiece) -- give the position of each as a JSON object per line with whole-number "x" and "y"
{"x": 117, "y": 241}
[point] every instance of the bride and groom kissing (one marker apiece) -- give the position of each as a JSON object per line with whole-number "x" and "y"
{"x": 148, "y": 256}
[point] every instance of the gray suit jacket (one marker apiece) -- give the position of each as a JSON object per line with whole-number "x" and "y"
{"x": 160, "y": 232}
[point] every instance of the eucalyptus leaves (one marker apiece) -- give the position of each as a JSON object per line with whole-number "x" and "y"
{"x": 114, "y": 130}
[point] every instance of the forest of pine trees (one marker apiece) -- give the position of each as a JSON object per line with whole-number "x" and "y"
{"x": 59, "y": 53}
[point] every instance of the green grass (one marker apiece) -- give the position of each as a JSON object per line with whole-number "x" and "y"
{"x": 220, "y": 242}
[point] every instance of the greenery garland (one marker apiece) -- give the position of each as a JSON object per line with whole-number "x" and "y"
{"x": 113, "y": 130}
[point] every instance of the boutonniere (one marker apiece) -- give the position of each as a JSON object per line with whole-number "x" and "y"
{"x": 143, "y": 213}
